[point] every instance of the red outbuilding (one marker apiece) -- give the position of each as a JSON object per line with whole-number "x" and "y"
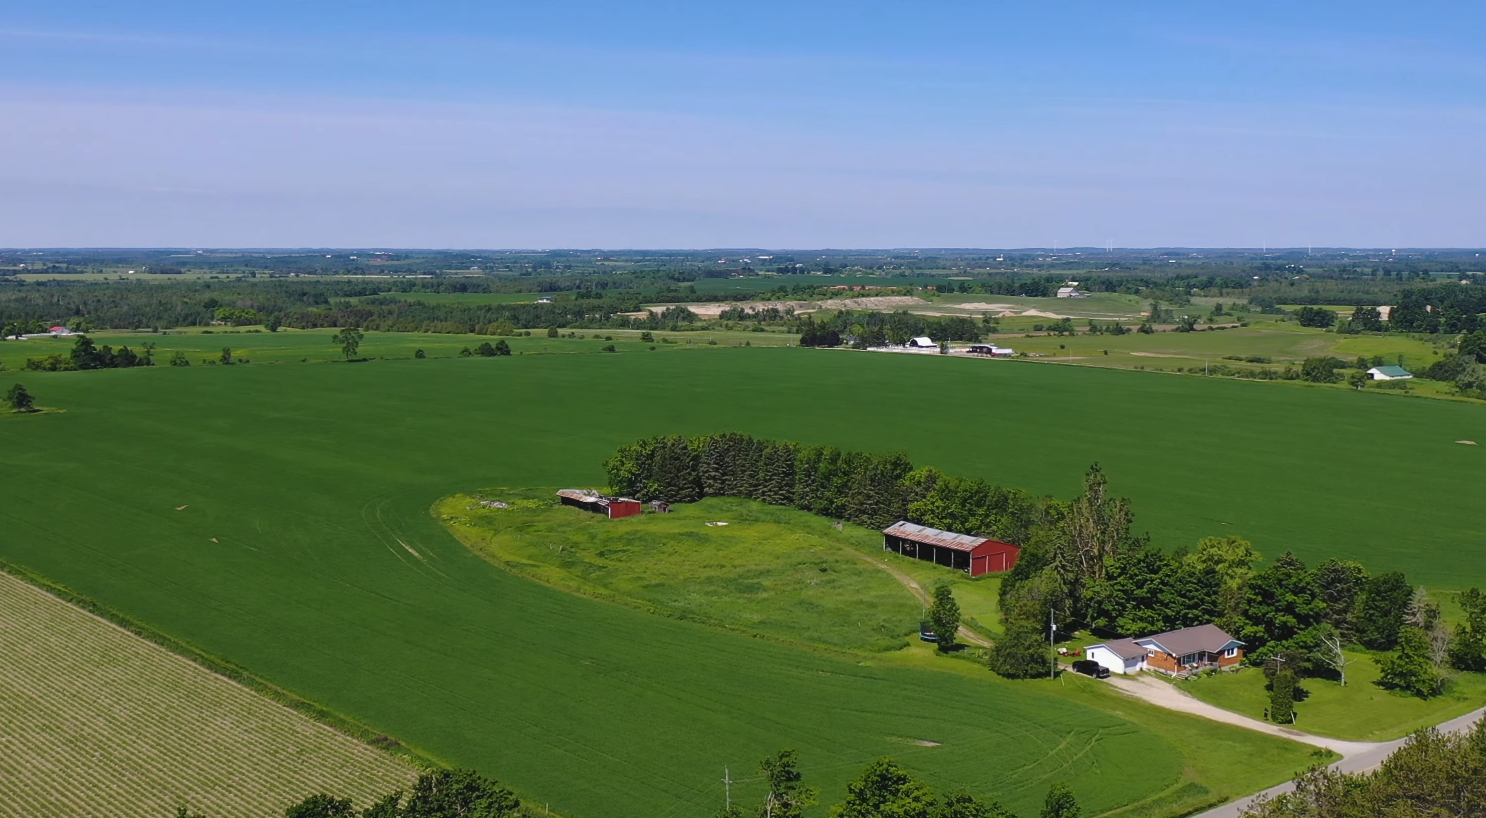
{"x": 973, "y": 555}
{"x": 611, "y": 507}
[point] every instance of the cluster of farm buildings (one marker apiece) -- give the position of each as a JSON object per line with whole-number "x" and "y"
{"x": 54, "y": 332}
{"x": 1177, "y": 653}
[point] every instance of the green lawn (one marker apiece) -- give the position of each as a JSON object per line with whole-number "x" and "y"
{"x": 1361, "y": 711}
{"x": 306, "y": 552}
{"x": 774, "y": 571}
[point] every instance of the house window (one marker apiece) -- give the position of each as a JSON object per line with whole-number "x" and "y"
{"x": 1230, "y": 653}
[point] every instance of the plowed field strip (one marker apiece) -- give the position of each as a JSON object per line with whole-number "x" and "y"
{"x": 96, "y": 721}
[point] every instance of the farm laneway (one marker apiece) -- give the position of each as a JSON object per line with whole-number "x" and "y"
{"x": 922, "y": 596}
{"x": 305, "y": 550}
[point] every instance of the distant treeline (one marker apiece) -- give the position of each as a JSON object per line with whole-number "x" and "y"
{"x": 597, "y": 300}
{"x": 305, "y": 305}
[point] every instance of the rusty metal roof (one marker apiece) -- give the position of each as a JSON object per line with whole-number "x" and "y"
{"x": 933, "y": 536}
{"x": 591, "y": 496}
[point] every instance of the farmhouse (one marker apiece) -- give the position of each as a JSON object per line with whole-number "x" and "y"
{"x": 922, "y": 342}
{"x": 1176, "y": 653}
{"x": 611, "y": 507}
{"x": 973, "y": 555}
{"x": 1070, "y": 292}
{"x": 992, "y": 350}
{"x": 1389, "y": 373}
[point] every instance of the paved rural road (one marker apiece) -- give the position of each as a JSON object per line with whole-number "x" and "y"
{"x": 917, "y": 590}
{"x": 1357, "y": 756}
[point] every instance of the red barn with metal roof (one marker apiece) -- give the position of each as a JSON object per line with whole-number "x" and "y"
{"x": 973, "y": 555}
{"x": 611, "y": 507}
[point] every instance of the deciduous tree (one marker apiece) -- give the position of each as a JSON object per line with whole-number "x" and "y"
{"x": 459, "y": 794}
{"x": 1022, "y": 651}
{"x": 787, "y": 796}
{"x": 321, "y": 806}
{"x": 961, "y": 804}
{"x": 944, "y": 617}
{"x": 886, "y": 790}
{"x": 1411, "y": 668}
{"x": 1060, "y": 803}
{"x": 20, "y": 400}
{"x": 349, "y": 340}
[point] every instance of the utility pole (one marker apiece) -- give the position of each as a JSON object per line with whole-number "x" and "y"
{"x": 1052, "y": 631}
{"x": 727, "y": 783}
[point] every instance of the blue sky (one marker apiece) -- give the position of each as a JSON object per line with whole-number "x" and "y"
{"x": 787, "y": 125}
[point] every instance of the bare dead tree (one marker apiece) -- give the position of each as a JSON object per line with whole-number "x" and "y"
{"x": 1097, "y": 526}
{"x": 1439, "y": 646}
{"x": 1332, "y": 654}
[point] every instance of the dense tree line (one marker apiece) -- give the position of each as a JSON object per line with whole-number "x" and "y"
{"x": 1466, "y": 369}
{"x": 871, "y": 489}
{"x": 441, "y": 794}
{"x": 87, "y": 355}
{"x": 1433, "y": 775}
{"x": 874, "y": 329}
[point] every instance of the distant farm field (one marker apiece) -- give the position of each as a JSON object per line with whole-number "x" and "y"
{"x": 96, "y": 721}
{"x": 315, "y": 346}
{"x": 279, "y": 516}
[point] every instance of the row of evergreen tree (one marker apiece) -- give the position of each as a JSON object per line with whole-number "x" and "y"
{"x": 868, "y": 488}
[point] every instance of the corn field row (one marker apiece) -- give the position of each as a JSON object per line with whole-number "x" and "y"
{"x": 96, "y": 721}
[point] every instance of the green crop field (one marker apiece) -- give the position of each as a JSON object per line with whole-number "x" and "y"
{"x": 100, "y": 722}
{"x": 279, "y": 516}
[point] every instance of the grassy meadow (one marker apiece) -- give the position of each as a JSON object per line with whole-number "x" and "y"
{"x": 772, "y": 571}
{"x": 1281, "y": 342}
{"x": 100, "y": 722}
{"x": 279, "y": 517}
{"x": 1361, "y": 711}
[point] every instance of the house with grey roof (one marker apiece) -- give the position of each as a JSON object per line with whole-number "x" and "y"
{"x": 1176, "y": 653}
